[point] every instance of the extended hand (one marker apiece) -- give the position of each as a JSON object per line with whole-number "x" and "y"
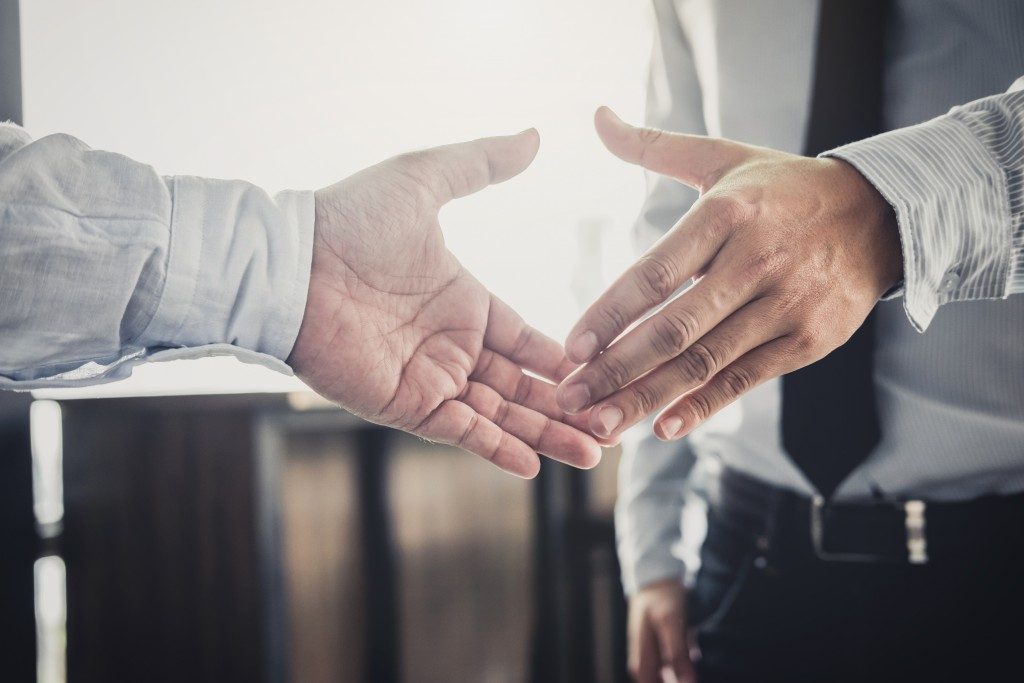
{"x": 396, "y": 331}
{"x": 788, "y": 255}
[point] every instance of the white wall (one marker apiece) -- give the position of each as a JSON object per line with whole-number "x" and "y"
{"x": 299, "y": 93}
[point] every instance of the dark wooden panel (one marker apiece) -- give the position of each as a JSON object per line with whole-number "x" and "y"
{"x": 323, "y": 575}
{"x": 462, "y": 529}
{"x": 17, "y": 541}
{"x": 160, "y": 541}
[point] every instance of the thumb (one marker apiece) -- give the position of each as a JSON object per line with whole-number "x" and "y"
{"x": 696, "y": 160}
{"x": 454, "y": 171}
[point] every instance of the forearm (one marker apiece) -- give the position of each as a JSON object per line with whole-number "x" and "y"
{"x": 106, "y": 264}
{"x": 956, "y": 184}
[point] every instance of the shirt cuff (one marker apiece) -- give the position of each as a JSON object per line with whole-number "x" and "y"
{"x": 650, "y": 570}
{"x": 951, "y": 204}
{"x": 238, "y": 268}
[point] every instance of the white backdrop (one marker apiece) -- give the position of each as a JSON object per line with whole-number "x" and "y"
{"x": 299, "y": 93}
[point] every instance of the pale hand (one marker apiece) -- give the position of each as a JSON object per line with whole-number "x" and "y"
{"x": 657, "y": 634}
{"x": 396, "y": 331}
{"x": 788, "y": 255}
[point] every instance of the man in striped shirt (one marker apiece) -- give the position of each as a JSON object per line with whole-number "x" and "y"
{"x": 864, "y": 510}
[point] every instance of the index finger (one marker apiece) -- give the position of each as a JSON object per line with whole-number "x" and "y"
{"x": 683, "y": 252}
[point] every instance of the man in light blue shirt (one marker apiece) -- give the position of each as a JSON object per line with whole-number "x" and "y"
{"x": 105, "y": 264}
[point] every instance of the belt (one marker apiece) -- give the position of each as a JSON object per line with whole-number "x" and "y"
{"x": 910, "y": 531}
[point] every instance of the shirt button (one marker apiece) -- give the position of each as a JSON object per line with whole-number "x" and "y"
{"x": 950, "y": 281}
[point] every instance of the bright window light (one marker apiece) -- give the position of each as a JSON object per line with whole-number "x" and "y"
{"x": 299, "y": 94}
{"x": 47, "y": 436}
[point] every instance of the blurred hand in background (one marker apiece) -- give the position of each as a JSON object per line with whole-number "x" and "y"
{"x": 788, "y": 255}
{"x": 659, "y": 648}
{"x": 398, "y": 332}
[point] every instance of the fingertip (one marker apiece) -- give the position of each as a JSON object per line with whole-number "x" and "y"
{"x": 591, "y": 457}
{"x": 532, "y": 135}
{"x": 527, "y": 468}
{"x": 510, "y": 155}
{"x": 572, "y": 397}
{"x": 606, "y": 420}
{"x": 531, "y": 132}
{"x": 581, "y": 347}
{"x": 604, "y": 114}
{"x": 669, "y": 428}
{"x": 613, "y": 132}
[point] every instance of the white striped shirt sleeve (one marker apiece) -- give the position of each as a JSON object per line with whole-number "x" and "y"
{"x": 956, "y": 184}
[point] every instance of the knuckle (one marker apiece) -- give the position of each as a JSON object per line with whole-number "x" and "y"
{"x": 649, "y": 135}
{"x": 788, "y": 301}
{"x": 647, "y": 138}
{"x": 699, "y": 363}
{"x": 412, "y": 162}
{"x": 462, "y": 441}
{"x": 737, "y": 380}
{"x": 613, "y": 371}
{"x": 645, "y": 399}
{"x": 762, "y": 266}
{"x": 724, "y": 210}
{"x": 806, "y": 341}
{"x": 613, "y": 317}
{"x": 501, "y": 413}
{"x": 523, "y": 340}
{"x": 658, "y": 277}
{"x": 673, "y": 332}
{"x": 701, "y": 406}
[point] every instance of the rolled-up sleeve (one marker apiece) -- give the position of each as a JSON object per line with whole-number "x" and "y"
{"x": 104, "y": 264}
{"x": 956, "y": 184}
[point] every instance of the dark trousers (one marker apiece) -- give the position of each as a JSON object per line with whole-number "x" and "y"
{"x": 766, "y": 608}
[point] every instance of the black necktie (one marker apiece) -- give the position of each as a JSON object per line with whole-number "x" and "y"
{"x": 829, "y": 418}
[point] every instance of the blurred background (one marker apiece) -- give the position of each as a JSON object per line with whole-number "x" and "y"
{"x": 212, "y": 521}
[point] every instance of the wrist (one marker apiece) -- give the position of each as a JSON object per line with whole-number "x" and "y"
{"x": 879, "y": 240}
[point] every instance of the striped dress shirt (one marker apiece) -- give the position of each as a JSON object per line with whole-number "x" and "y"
{"x": 949, "y": 360}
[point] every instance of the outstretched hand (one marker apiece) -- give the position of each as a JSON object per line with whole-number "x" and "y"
{"x": 398, "y": 332}
{"x": 787, "y": 254}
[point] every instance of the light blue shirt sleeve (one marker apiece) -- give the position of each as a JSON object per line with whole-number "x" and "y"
{"x": 957, "y": 186}
{"x": 105, "y": 264}
{"x": 653, "y": 483}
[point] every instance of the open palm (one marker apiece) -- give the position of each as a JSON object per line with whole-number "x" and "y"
{"x": 398, "y": 332}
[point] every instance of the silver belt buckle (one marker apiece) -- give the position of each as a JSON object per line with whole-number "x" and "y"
{"x": 914, "y": 522}
{"x": 917, "y": 541}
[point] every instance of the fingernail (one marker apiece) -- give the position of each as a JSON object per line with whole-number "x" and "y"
{"x": 575, "y": 397}
{"x": 583, "y": 347}
{"x": 671, "y": 427}
{"x": 608, "y": 420}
